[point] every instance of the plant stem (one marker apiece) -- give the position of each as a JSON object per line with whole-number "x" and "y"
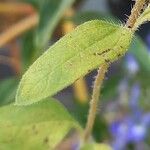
{"x": 94, "y": 102}
{"x": 135, "y": 13}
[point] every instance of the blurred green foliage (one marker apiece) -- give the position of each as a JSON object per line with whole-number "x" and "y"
{"x": 8, "y": 88}
{"x": 50, "y": 13}
{"x": 21, "y": 125}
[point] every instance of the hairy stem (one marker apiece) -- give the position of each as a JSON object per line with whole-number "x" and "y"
{"x": 135, "y": 13}
{"x": 94, "y": 102}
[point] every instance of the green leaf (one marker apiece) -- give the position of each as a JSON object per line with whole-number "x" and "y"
{"x": 86, "y": 48}
{"x": 8, "y": 88}
{"x": 145, "y": 16}
{"x": 28, "y": 48}
{"x": 40, "y": 126}
{"x": 81, "y": 17}
{"x": 50, "y": 14}
{"x": 34, "y": 42}
{"x": 35, "y": 3}
{"x": 96, "y": 147}
{"x": 139, "y": 50}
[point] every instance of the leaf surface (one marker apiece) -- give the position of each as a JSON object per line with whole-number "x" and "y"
{"x": 86, "y": 48}
{"x": 40, "y": 126}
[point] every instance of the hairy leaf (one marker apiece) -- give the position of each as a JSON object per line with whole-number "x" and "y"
{"x": 86, "y": 48}
{"x": 145, "y": 16}
{"x": 40, "y": 126}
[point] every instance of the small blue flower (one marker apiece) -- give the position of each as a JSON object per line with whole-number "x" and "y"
{"x": 118, "y": 144}
{"x": 138, "y": 132}
{"x": 131, "y": 64}
{"x": 135, "y": 94}
{"x": 127, "y": 131}
{"x": 146, "y": 120}
{"x": 148, "y": 41}
{"x": 133, "y": 127}
{"x": 134, "y": 100}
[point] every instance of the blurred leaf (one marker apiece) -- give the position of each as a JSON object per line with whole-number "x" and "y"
{"x": 96, "y": 147}
{"x": 110, "y": 87}
{"x": 8, "y": 89}
{"x": 28, "y": 48}
{"x": 139, "y": 50}
{"x": 143, "y": 79}
{"x": 82, "y": 17}
{"x": 144, "y": 17}
{"x": 36, "y": 127}
{"x": 72, "y": 57}
{"x": 50, "y": 14}
{"x": 36, "y": 3}
{"x": 100, "y": 129}
{"x": 50, "y": 11}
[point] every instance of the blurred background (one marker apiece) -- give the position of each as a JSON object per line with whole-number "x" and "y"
{"x": 29, "y": 27}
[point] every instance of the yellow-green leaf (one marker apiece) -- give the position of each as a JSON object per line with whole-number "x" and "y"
{"x": 86, "y": 48}
{"x": 36, "y": 127}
